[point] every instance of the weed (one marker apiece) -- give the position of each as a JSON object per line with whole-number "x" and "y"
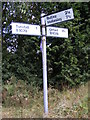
{"x": 26, "y": 101}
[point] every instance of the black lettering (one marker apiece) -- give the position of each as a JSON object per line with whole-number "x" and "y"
{"x": 56, "y": 30}
{"x": 53, "y": 29}
{"x": 57, "y": 33}
{"x": 51, "y": 17}
{"x": 55, "y": 20}
{"x": 54, "y": 16}
{"x": 22, "y": 30}
{"x": 68, "y": 16}
{"x": 67, "y": 12}
{"x": 16, "y": 30}
{"x": 50, "y": 32}
{"x": 54, "y": 33}
{"x": 26, "y": 27}
{"x": 63, "y": 30}
{"x": 17, "y": 26}
{"x": 47, "y": 18}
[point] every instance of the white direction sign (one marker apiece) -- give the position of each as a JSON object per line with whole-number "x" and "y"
{"x": 59, "y": 16}
{"x": 25, "y": 29}
{"x": 57, "y": 32}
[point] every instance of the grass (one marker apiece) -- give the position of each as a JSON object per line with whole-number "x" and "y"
{"x": 70, "y": 103}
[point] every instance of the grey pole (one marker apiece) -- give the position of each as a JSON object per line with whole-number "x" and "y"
{"x": 44, "y": 59}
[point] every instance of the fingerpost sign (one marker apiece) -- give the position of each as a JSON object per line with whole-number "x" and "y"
{"x": 25, "y": 29}
{"x": 59, "y": 17}
{"x": 29, "y": 29}
{"x": 57, "y": 32}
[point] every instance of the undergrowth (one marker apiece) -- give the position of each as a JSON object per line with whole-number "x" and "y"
{"x": 26, "y": 101}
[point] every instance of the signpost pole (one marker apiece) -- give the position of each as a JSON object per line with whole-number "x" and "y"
{"x": 44, "y": 59}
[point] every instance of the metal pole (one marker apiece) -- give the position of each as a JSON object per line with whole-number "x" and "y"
{"x": 44, "y": 59}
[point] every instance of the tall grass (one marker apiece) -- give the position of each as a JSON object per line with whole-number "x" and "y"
{"x": 27, "y": 102}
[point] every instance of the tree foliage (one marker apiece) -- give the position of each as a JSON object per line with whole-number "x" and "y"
{"x": 68, "y": 59}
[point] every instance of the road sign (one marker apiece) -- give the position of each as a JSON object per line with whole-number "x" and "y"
{"x": 57, "y": 32}
{"x": 25, "y": 29}
{"x": 59, "y": 17}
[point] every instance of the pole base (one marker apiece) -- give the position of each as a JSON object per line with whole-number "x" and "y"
{"x": 45, "y": 115}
